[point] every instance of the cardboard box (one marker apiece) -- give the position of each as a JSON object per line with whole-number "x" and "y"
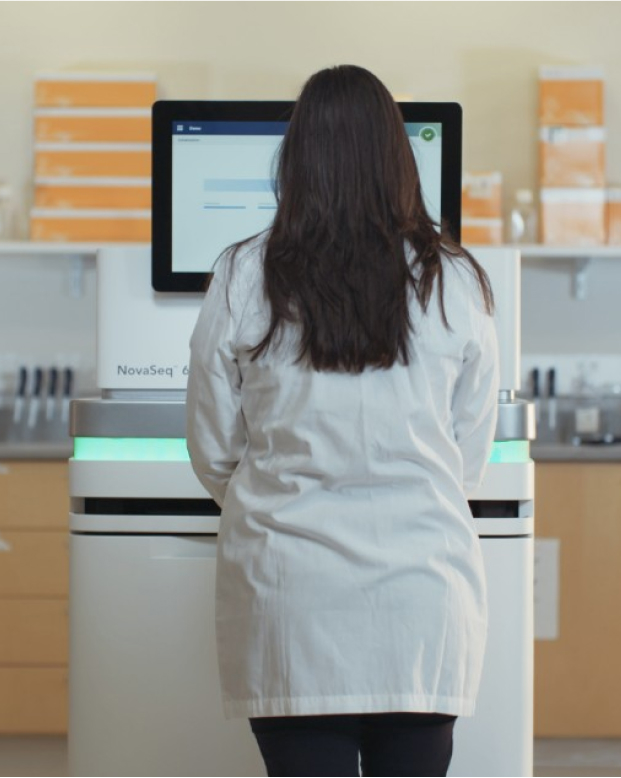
{"x": 92, "y": 125}
{"x": 573, "y": 217}
{"x": 481, "y": 195}
{"x": 571, "y": 96}
{"x": 90, "y": 226}
{"x": 97, "y": 193}
{"x": 613, "y": 214}
{"x": 75, "y": 89}
{"x": 481, "y": 232}
{"x": 572, "y": 156}
{"x": 53, "y": 160}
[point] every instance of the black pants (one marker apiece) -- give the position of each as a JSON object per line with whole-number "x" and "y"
{"x": 378, "y": 744}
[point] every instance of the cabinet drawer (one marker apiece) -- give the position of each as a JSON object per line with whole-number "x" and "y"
{"x": 34, "y": 564}
{"x": 577, "y": 683}
{"x": 33, "y": 700}
{"x": 34, "y": 632}
{"x": 34, "y": 495}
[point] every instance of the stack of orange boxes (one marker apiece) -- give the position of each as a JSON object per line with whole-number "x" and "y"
{"x": 481, "y": 208}
{"x": 92, "y": 157}
{"x": 572, "y": 155}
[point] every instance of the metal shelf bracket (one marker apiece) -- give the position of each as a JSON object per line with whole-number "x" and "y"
{"x": 581, "y": 268}
{"x": 76, "y": 277}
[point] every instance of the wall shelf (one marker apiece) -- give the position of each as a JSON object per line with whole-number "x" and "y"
{"x": 530, "y": 251}
{"x": 580, "y": 258}
{"x": 79, "y": 255}
{"x": 11, "y": 248}
{"x": 536, "y": 251}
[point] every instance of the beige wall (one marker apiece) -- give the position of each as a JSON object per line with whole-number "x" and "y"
{"x": 483, "y": 54}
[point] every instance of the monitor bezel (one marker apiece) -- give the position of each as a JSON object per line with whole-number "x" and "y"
{"x": 164, "y": 278}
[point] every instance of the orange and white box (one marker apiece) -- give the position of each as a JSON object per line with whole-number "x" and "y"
{"x": 481, "y": 232}
{"x": 614, "y": 215}
{"x": 481, "y": 195}
{"x": 92, "y": 125}
{"x": 572, "y": 156}
{"x": 571, "y": 96}
{"x": 105, "y": 226}
{"x": 573, "y": 217}
{"x": 61, "y": 160}
{"x": 105, "y": 90}
{"x": 93, "y": 193}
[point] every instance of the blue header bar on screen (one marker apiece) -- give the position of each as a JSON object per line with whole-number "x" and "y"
{"x": 425, "y": 131}
{"x": 184, "y": 127}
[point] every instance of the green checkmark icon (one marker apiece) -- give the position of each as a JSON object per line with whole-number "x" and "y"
{"x": 428, "y": 133}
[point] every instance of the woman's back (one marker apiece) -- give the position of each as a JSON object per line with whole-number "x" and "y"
{"x": 368, "y": 424}
{"x": 345, "y": 523}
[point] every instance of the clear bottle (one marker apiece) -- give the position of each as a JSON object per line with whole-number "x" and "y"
{"x": 524, "y": 218}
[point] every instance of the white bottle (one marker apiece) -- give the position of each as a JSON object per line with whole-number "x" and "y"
{"x": 524, "y": 218}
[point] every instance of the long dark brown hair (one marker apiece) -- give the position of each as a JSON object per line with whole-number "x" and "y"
{"x": 336, "y": 262}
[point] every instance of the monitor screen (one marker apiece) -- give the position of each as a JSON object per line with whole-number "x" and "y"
{"x": 213, "y": 177}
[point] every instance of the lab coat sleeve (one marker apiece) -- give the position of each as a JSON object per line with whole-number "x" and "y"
{"x": 216, "y": 433}
{"x": 475, "y": 402}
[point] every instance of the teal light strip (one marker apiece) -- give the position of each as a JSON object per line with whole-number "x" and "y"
{"x": 505, "y": 451}
{"x": 131, "y": 449}
{"x": 175, "y": 450}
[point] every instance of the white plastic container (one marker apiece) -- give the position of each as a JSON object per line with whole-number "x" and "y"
{"x": 523, "y": 224}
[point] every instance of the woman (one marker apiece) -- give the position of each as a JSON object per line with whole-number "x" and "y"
{"x": 341, "y": 403}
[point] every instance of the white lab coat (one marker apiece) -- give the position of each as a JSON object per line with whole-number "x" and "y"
{"x": 349, "y": 574}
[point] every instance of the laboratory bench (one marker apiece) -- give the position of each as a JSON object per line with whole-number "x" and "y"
{"x": 567, "y": 452}
{"x": 35, "y": 451}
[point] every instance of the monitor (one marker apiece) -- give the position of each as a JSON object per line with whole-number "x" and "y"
{"x": 213, "y": 177}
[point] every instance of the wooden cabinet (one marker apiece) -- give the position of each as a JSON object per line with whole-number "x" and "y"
{"x": 34, "y": 700}
{"x": 577, "y": 678}
{"x": 34, "y": 495}
{"x": 34, "y": 586}
{"x": 34, "y": 632}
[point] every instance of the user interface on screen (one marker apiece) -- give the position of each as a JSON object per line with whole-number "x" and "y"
{"x": 223, "y": 187}
{"x": 214, "y": 180}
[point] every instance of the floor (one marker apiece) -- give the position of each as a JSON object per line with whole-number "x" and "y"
{"x": 47, "y": 756}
